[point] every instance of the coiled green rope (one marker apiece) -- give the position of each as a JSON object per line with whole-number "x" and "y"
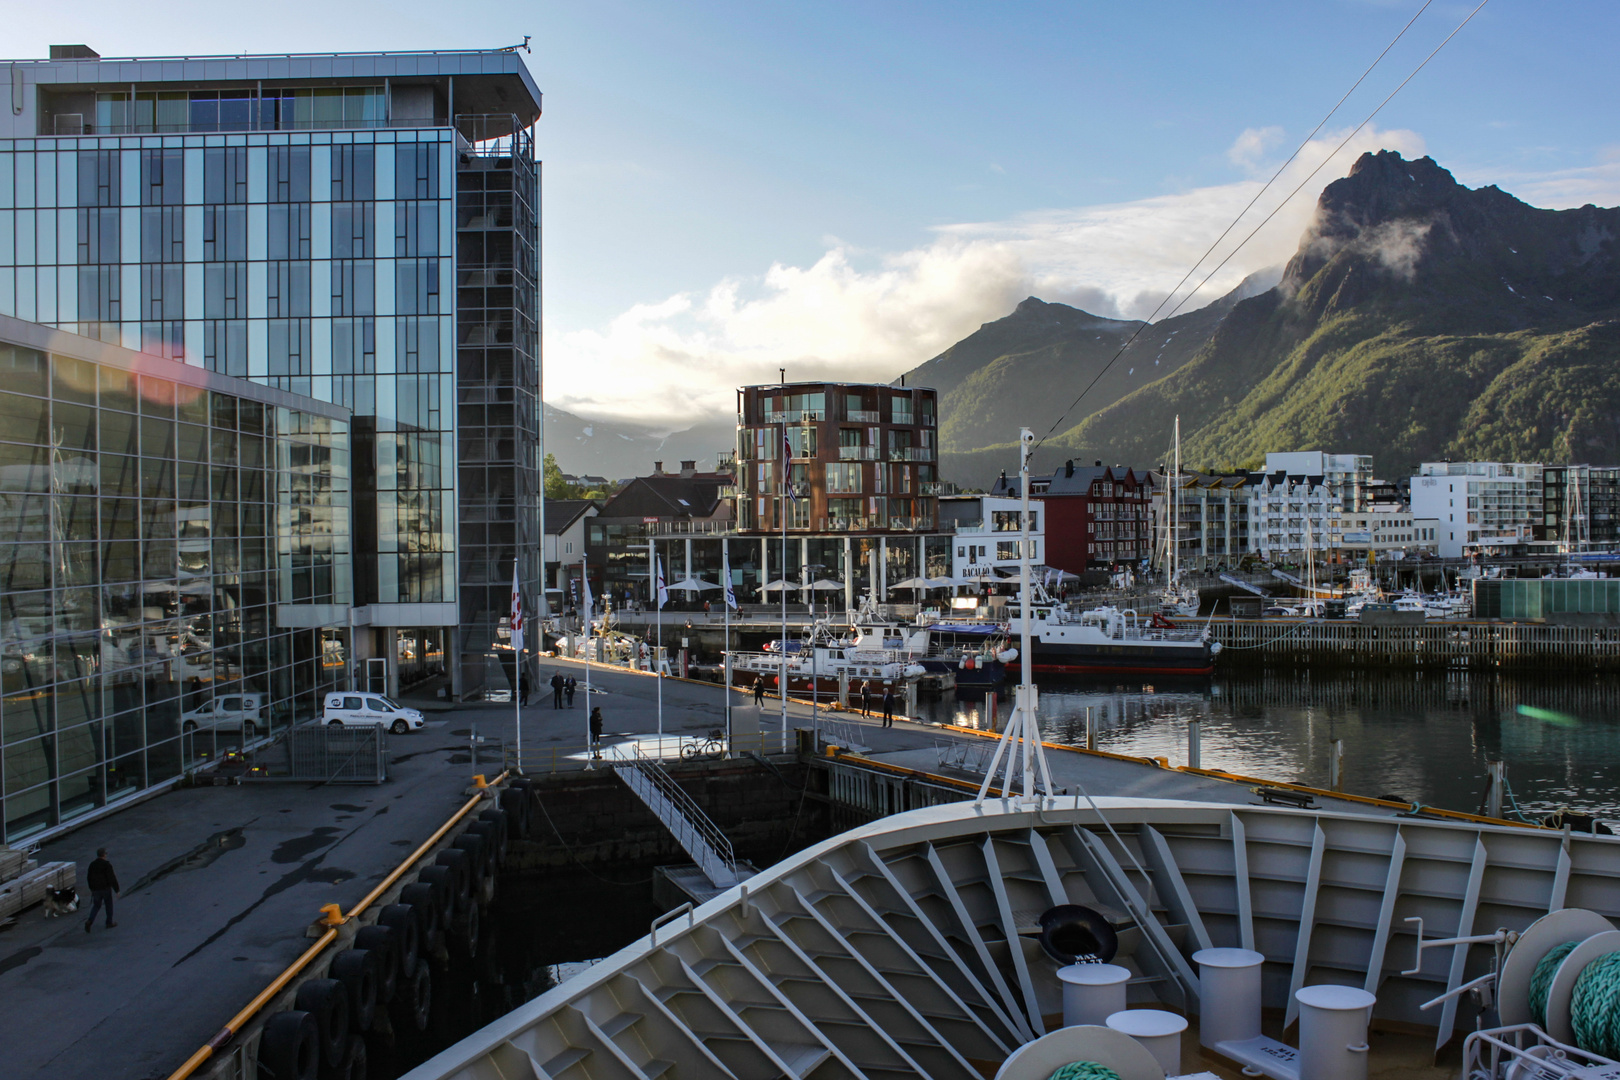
{"x": 1541, "y": 981}
{"x": 1084, "y": 1070}
{"x": 1594, "y": 1007}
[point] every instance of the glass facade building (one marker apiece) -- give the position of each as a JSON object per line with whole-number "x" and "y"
{"x": 174, "y": 568}
{"x": 362, "y": 229}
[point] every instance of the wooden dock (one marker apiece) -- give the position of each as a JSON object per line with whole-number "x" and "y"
{"x": 1447, "y": 645}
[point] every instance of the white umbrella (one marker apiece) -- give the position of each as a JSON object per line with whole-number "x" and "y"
{"x": 827, "y": 585}
{"x": 910, "y": 583}
{"x": 692, "y": 585}
{"x": 778, "y": 585}
{"x": 943, "y": 582}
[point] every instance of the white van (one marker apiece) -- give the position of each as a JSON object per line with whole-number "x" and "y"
{"x": 352, "y": 709}
{"x": 235, "y": 711}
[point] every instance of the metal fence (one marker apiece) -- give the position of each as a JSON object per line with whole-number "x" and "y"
{"x": 318, "y": 752}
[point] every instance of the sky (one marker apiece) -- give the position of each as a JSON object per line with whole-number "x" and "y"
{"x": 844, "y": 189}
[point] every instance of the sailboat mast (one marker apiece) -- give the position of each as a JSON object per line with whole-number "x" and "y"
{"x": 1175, "y": 512}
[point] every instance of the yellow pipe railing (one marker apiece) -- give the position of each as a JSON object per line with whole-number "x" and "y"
{"x": 293, "y": 970}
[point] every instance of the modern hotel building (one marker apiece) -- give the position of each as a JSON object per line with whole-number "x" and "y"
{"x": 358, "y": 232}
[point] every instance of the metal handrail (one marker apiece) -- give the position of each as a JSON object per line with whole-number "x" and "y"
{"x": 685, "y": 806}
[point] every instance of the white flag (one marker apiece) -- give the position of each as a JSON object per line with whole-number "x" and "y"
{"x": 663, "y": 593}
{"x": 725, "y": 570}
{"x": 516, "y": 620}
{"x": 585, "y": 585}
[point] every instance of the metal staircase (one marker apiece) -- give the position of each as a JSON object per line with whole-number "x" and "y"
{"x": 694, "y": 831}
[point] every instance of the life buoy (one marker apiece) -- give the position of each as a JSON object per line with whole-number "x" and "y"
{"x": 356, "y": 969}
{"x": 290, "y": 1046}
{"x": 327, "y": 1000}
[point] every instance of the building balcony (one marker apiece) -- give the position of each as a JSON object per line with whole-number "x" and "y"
{"x": 795, "y": 416}
{"x": 937, "y": 487}
{"x": 858, "y": 453}
{"x": 692, "y": 528}
{"x": 911, "y": 453}
{"x": 864, "y": 416}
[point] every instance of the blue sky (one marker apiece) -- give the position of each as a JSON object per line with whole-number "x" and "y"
{"x": 846, "y": 188}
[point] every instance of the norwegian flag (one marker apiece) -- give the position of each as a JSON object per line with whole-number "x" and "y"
{"x": 516, "y": 621}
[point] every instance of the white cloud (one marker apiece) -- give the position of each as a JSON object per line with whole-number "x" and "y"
{"x": 1562, "y": 189}
{"x": 848, "y": 316}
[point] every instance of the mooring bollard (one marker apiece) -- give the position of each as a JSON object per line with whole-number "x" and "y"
{"x": 1091, "y": 729}
{"x": 1336, "y": 765}
{"x": 1195, "y": 749}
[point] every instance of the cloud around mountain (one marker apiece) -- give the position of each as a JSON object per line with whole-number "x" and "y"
{"x": 860, "y": 315}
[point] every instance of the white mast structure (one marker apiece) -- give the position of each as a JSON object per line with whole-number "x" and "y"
{"x": 1024, "y": 723}
{"x": 782, "y": 515}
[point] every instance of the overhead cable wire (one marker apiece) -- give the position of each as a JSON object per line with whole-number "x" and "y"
{"x": 1257, "y": 196}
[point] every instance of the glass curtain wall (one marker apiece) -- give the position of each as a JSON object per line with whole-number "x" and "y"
{"x": 147, "y": 529}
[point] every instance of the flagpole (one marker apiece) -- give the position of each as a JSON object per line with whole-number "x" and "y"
{"x": 727, "y": 599}
{"x": 654, "y": 576}
{"x": 585, "y": 596}
{"x": 781, "y": 512}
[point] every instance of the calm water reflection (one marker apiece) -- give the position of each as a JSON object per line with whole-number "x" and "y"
{"x": 1418, "y": 737}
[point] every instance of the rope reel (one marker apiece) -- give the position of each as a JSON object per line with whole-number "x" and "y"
{"x": 1563, "y": 975}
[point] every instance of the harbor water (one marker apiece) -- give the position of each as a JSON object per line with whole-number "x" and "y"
{"x": 1416, "y": 737}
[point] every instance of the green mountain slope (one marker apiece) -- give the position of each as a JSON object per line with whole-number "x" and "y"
{"x": 1418, "y": 320}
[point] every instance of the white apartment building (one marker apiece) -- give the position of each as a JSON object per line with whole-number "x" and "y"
{"x": 1289, "y": 512}
{"x": 1478, "y": 504}
{"x": 1347, "y": 477}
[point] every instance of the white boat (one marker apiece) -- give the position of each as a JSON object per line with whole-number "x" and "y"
{"x": 1112, "y": 641}
{"x": 822, "y": 662}
{"x": 938, "y": 943}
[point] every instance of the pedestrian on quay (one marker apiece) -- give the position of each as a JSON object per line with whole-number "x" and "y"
{"x": 523, "y": 689}
{"x": 596, "y": 731}
{"x": 556, "y": 690}
{"x": 866, "y": 697}
{"x": 569, "y": 685}
{"x": 705, "y": 609}
{"x": 888, "y": 705}
{"x": 759, "y": 692}
{"x": 103, "y": 883}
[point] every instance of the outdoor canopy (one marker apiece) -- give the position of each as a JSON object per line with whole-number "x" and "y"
{"x": 692, "y": 585}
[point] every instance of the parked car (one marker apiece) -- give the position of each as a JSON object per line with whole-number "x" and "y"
{"x": 370, "y": 710}
{"x": 244, "y": 711}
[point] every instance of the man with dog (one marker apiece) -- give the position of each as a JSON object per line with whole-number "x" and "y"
{"x": 103, "y": 883}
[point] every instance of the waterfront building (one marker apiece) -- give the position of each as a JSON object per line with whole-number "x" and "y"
{"x": 1385, "y": 531}
{"x": 1096, "y": 517}
{"x": 175, "y": 568}
{"x": 566, "y": 521}
{"x": 1348, "y": 478}
{"x": 681, "y": 505}
{"x": 1580, "y": 507}
{"x": 986, "y": 535}
{"x": 1290, "y": 514}
{"x": 361, "y": 229}
{"x": 1481, "y": 506}
{"x": 1212, "y": 514}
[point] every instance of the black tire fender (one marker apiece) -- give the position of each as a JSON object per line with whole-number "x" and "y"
{"x": 461, "y": 865}
{"x": 290, "y": 1046}
{"x": 442, "y": 879}
{"x": 515, "y": 801}
{"x": 478, "y": 858}
{"x": 407, "y": 926}
{"x": 494, "y": 837}
{"x": 327, "y": 1000}
{"x": 356, "y": 969}
{"x": 426, "y": 899}
{"x": 503, "y": 831}
{"x": 381, "y": 941}
{"x": 469, "y": 930}
{"x": 354, "y": 1065}
{"x": 416, "y": 996}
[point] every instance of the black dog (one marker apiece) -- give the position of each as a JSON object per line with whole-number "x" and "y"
{"x": 59, "y": 902}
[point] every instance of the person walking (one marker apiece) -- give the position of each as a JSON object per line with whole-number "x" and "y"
{"x": 888, "y": 706}
{"x": 103, "y": 883}
{"x": 866, "y": 697}
{"x": 556, "y": 690}
{"x": 523, "y": 689}
{"x": 596, "y": 732}
{"x": 569, "y": 685}
{"x": 759, "y": 692}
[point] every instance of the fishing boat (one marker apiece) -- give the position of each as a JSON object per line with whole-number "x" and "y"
{"x": 1112, "y": 641}
{"x": 822, "y": 664}
{"x": 960, "y": 941}
{"x": 973, "y": 652}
